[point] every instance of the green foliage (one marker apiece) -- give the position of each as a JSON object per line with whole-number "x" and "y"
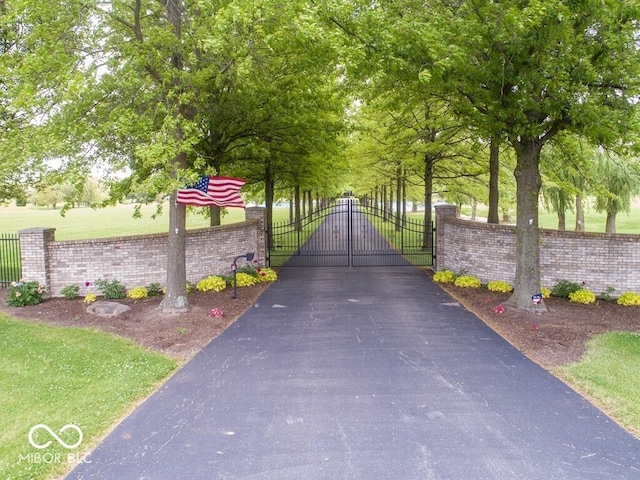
{"x": 259, "y": 272}
{"x": 267, "y": 275}
{"x": 70, "y": 291}
{"x": 444, "y": 276}
{"x": 244, "y": 279}
{"x": 499, "y": 286}
{"x": 564, "y": 288}
{"x": 629, "y": 299}
{"x": 467, "y": 281}
{"x": 111, "y": 289}
{"x": 154, "y": 290}
{"x": 584, "y": 296}
{"x": 214, "y": 283}
{"x": 138, "y": 293}
{"x": 249, "y": 269}
{"x": 607, "y": 294}
{"x": 22, "y": 294}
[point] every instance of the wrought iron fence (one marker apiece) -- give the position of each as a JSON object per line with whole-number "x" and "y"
{"x": 10, "y": 266}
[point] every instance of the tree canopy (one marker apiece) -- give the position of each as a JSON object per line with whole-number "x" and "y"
{"x": 158, "y": 92}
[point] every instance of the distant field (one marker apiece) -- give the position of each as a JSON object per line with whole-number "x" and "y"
{"x": 81, "y": 223}
{"x": 594, "y": 221}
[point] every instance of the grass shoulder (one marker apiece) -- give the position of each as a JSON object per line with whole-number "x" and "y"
{"x": 58, "y": 376}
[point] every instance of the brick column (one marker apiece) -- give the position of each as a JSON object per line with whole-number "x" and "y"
{"x": 442, "y": 213}
{"x": 260, "y": 214}
{"x": 34, "y": 255}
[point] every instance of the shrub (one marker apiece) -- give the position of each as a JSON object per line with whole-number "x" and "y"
{"x": 629, "y": 299}
{"x": 266, "y": 275}
{"x": 22, "y": 294}
{"x": 249, "y": 269}
{"x": 546, "y": 293}
{"x": 70, "y": 291}
{"x": 499, "y": 286}
{"x": 467, "y": 281}
{"x": 214, "y": 283}
{"x": 244, "y": 279}
{"x": 564, "y": 288}
{"x": 444, "y": 276}
{"x": 607, "y": 294}
{"x": 154, "y": 290}
{"x": 111, "y": 289}
{"x": 138, "y": 292}
{"x": 583, "y": 295}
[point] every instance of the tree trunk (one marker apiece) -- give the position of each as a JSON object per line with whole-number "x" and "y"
{"x": 383, "y": 203}
{"x": 579, "y": 214}
{"x": 296, "y": 201}
{"x": 215, "y": 216}
{"x": 404, "y": 198}
{"x": 303, "y": 205}
{"x": 528, "y": 183}
{"x": 562, "y": 220}
{"x": 175, "y": 300}
{"x": 494, "y": 179}
{"x": 474, "y": 208}
{"x": 269, "y": 188}
{"x": 427, "y": 234}
{"x": 399, "y": 199}
{"x": 612, "y": 212}
{"x": 376, "y": 200}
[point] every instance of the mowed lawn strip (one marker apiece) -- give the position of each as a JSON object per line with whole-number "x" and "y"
{"x": 609, "y": 373}
{"x": 59, "y": 376}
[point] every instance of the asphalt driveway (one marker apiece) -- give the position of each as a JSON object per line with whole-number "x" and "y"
{"x": 362, "y": 373}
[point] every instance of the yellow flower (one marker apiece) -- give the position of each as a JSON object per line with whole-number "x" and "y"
{"x": 90, "y": 298}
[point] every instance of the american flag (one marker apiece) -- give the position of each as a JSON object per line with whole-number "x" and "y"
{"x": 217, "y": 191}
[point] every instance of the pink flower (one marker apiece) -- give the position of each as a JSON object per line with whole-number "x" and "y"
{"x": 498, "y": 308}
{"x": 534, "y": 327}
{"x": 215, "y": 313}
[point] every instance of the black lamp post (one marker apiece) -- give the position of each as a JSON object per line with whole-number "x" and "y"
{"x": 234, "y": 267}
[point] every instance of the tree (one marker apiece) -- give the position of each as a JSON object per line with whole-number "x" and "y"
{"x": 619, "y": 181}
{"x": 136, "y": 85}
{"x": 526, "y": 72}
{"x": 567, "y": 165}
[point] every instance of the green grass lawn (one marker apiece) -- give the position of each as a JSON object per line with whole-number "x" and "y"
{"x": 60, "y": 376}
{"x": 609, "y": 373}
{"x": 82, "y": 223}
{"x": 594, "y": 221}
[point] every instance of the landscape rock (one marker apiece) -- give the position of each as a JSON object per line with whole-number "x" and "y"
{"x": 107, "y": 309}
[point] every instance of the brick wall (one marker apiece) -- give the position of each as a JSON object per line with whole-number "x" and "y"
{"x": 488, "y": 251}
{"x": 136, "y": 260}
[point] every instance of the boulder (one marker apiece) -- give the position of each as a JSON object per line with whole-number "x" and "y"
{"x": 107, "y": 309}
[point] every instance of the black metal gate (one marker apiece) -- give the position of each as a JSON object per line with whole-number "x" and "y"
{"x": 10, "y": 267}
{"x": 348, "y": 234}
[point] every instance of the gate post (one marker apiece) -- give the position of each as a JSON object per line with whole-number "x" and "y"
{"x": 260, "y": 214}
{"x": 34, "y": 255}
{"x": 442, "y": 213}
